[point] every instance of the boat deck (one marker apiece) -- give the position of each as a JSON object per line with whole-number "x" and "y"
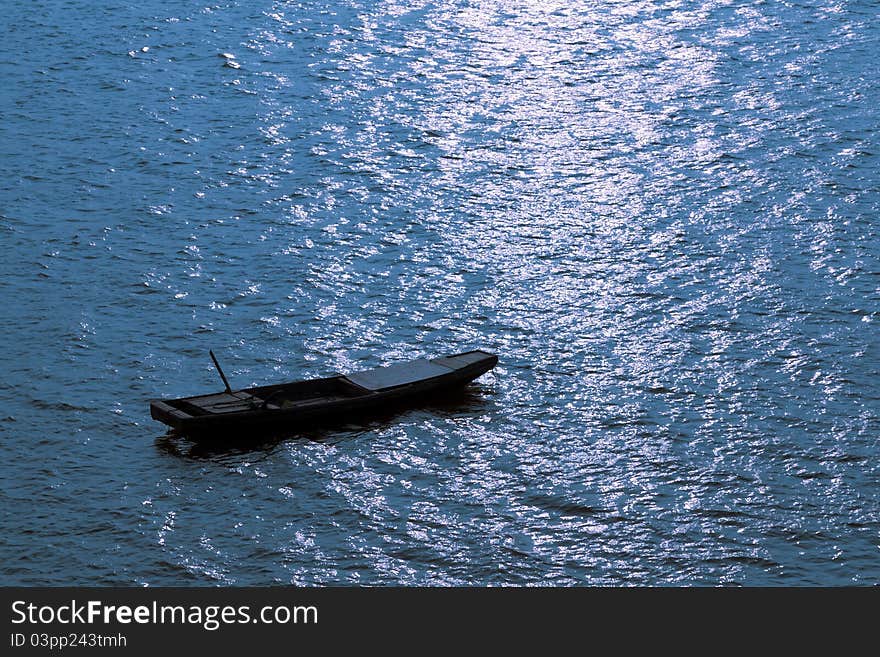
{"x": 393, "y": 376}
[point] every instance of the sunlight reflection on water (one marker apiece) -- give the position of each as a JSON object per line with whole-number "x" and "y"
{"x": 658, "y": 214}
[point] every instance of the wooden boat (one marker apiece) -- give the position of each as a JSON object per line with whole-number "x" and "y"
{"x": 289, "y": 405}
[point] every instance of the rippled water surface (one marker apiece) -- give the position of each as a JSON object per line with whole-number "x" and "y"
{"x": 661, "y": 215}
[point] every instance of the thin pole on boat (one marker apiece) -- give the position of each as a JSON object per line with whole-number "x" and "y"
{"x": 222, "y": 376}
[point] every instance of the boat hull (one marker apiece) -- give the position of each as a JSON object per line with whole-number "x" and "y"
{"x": 308, "y": 403}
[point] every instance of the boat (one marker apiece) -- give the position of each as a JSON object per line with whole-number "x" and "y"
{"x": 305, "y": 403}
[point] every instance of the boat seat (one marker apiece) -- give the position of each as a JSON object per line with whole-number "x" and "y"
{"x": 225, "y": 402}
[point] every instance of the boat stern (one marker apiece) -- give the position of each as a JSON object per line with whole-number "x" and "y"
{"x": 164, "y": 412}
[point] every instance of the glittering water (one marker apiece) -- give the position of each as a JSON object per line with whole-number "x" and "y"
{"x": 661, "y": 215}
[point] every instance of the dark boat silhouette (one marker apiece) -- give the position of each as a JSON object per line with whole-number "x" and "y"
{"x": 299, "y": 403}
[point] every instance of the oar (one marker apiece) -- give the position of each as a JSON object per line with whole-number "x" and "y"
{"x": 222, "y": 376}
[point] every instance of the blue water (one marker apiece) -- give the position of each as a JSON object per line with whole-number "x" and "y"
{"x": 661, "y": 215}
